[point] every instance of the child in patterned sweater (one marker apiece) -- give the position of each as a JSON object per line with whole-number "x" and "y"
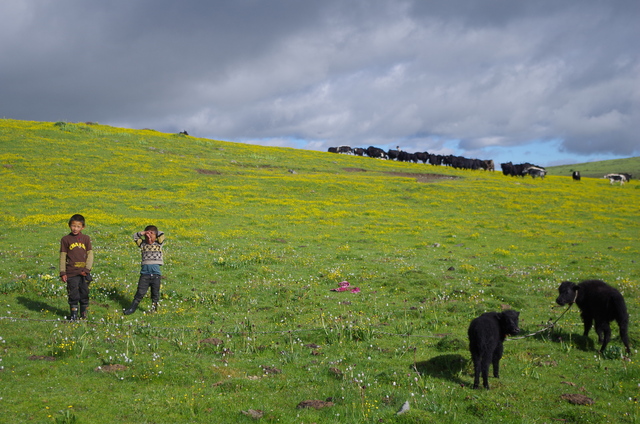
{"x": 150, "y": 242}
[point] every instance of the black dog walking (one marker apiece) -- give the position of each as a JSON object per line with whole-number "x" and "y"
{"x": 486, "y": 334}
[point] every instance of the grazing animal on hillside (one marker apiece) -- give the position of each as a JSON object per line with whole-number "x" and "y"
{"x": 621, "y": 178}
{"x": 345, "y": 150}
{"x": 376, "y": 152}
{"x": 422, "y": 157}
{"x": 516, "y": 170}
{"x": 406, "y": 157}
{"x": 507, "y": 168}
{"x": 333, "y": 150}
{"x": 486, "y": 335}
{"x": 598, "y": 302}
{"x": 535, "y": 171}
{"x": 435, "y": 159}
{"x": 393, "y": 154}
{"x": 576, "y": 175}
{"x": 459, "y": 162}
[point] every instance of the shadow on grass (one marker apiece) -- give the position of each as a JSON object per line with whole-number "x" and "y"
{"x": 114, "y": 295}
{"x": 123, "y": 301}
{"x": 447, "y": 367}
{"x": 573, "y": 340}
{"x": 39, "y": 306}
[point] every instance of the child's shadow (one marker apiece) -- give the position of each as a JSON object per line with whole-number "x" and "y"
{"x": 444, "y": 366}
{"x": 38, "y": 306}
{"x": 116, "y": 296}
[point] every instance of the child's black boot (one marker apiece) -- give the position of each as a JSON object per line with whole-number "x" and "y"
{"x": 132, "y": 308}
{"x": 84, "y": 310}
{"x": 154, "y": 307}
{"x": 73, "y": 316}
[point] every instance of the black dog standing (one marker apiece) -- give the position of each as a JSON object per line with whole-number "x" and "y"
{"x": 486, "y": 334}
{"x": 598, "y": 302}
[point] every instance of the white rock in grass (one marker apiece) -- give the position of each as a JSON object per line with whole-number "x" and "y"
{"x": 405, "y": 408}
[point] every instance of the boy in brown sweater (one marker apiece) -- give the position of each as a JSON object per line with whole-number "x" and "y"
{"x": 76, "y": 260}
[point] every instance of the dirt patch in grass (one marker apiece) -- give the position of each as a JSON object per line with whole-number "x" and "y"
{"x": 111, "y": 368}
{"x": 270, "y": 370}
{"x": 316, "y": 404}
{"x": 208, "y": 172}
{"x": 423, "y": 178}
{"x": 212, "y": 341}
{"x": 41, "y": 358}
{"x": 577, "y": 399}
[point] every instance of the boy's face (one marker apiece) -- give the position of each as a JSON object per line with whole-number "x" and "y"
{"x": 151, "y": 236}
{"x": 76, "y": 227}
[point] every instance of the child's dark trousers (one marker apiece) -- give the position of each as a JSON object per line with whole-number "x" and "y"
{"x": 146, "y": 281}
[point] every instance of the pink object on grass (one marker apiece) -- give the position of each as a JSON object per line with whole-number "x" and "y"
{"x": 345, "y": 286}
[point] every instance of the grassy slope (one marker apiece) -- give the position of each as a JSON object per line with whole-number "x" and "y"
{"x": 257, "y": 237}
{"x": 598, "y": 169}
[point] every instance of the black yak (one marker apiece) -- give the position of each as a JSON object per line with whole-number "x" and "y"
{"x": 599, "y": 303}
{"x": 486, "y": 334}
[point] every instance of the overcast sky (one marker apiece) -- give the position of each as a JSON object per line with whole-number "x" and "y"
{"x": 545, "y": 81}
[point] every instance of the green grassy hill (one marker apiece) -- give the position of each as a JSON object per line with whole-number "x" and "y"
{"x": 258, "y": 238}
{"x": 599, "y": 169}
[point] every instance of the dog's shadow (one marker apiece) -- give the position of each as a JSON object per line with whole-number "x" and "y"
{"x": 572, "y": 340}
{"x": 39, "y": 306}
{"x": 448, "y": 367}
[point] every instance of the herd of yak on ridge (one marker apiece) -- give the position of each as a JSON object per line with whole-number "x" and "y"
{"x": 599, "y": 303}
{"x": 459, "y": 162}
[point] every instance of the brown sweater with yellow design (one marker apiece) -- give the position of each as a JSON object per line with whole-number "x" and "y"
{"x": 76, "y": 254}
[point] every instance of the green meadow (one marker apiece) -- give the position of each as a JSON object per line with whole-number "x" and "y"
{"x": 601, "y": 168}
{"x": 249, "y": 328}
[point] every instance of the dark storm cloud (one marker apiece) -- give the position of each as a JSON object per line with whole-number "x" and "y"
{"x": 487, "y": 75}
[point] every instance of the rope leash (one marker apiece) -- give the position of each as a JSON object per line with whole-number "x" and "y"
{"x": 549, "y": 325}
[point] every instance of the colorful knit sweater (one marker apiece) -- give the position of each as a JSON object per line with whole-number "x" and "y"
{"x": 151, "y": 253}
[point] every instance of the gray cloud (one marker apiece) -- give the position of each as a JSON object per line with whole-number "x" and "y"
{"x": 475, "y": 77}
